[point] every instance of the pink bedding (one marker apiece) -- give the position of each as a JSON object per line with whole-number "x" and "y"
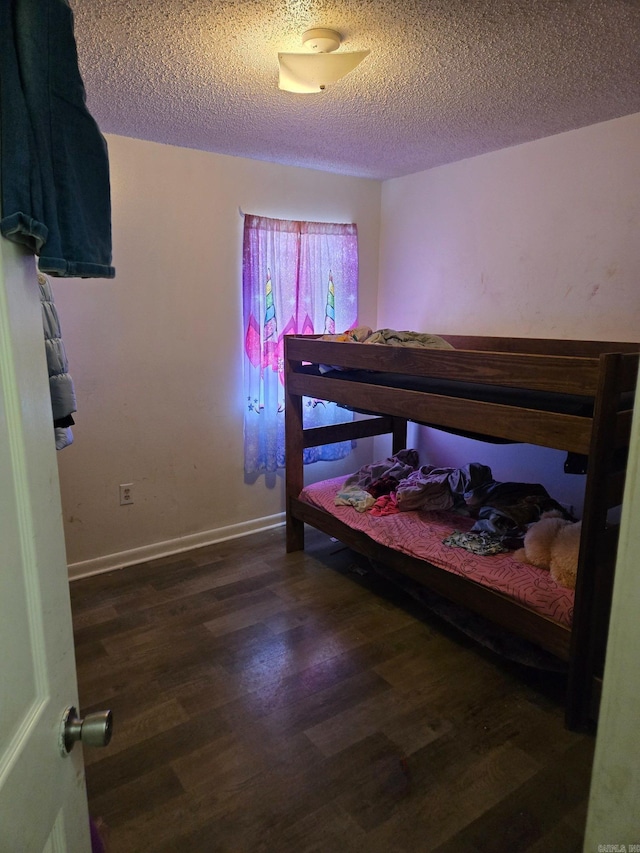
{"x": 420, "y": 534}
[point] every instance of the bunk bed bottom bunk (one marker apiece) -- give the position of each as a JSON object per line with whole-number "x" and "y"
{"x": 513, "y": 628}
{"x": 518, "y": 597}
{"x": 426, "y": 536}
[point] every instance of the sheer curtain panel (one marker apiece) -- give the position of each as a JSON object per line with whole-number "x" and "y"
{"x": 297, "y": 278}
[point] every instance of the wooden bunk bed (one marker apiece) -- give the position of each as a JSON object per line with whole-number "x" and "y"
{"x": 575, "y": 396}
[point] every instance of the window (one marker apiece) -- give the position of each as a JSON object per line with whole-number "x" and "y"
{"x": 298, "y": 278}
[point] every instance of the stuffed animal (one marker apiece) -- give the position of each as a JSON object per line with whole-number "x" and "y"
{"x": 553, "y": 543}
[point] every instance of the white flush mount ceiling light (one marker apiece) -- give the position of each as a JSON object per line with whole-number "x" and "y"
{"x": 314, "y": 71}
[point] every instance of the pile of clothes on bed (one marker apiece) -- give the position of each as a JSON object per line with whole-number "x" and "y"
{"x": 503, "y": 510}
{"x": 389, "y": 337}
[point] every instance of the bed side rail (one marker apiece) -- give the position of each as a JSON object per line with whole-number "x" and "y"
{"x": 541, "y": 346}
{"x": 558, "y": 373}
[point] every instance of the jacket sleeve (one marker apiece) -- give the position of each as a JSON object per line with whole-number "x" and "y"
{"x": 63, "y": 397}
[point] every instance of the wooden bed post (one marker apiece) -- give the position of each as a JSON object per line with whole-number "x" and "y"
{"x": 399, "y": 435}
{"x": 597, "y": 553}
{"x": 294, "y": 473}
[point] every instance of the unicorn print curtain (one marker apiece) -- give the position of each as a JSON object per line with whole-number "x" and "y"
{"x": 297, "y": 278}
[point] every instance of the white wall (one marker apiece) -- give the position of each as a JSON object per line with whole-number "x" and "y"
{"x": 156, "y": 354}
{"x": 539, "y": 240}
{"x": 536, "y": 240}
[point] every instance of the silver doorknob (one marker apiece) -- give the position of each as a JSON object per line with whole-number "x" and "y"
{"x": 94, "y": 730}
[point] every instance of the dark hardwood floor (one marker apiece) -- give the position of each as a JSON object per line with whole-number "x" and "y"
{"x": 274, "y": 703}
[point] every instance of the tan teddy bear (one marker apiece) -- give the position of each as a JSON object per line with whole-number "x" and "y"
{"x": 553, "y": 543}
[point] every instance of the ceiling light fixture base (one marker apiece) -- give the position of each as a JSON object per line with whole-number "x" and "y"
{"x": 321, "y": 40}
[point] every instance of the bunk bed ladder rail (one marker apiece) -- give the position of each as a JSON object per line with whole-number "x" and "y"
{"x": 603, "y": 490}
{"x": 294, "y": 470}
{"x": 299, "y": 438}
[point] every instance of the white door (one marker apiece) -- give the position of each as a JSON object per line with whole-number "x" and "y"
{"x": 43, "y": 806}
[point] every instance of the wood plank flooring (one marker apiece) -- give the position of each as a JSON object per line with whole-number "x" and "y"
{"x": 274, "y": 703}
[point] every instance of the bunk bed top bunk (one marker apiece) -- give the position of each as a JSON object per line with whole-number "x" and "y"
{"x": 575, "y": 396}
{"x": 535, "y": 391}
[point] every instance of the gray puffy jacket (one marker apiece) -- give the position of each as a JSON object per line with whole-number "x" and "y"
{"x": 63, "y": 397}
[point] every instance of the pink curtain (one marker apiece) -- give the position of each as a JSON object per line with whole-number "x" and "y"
{"x": 297, "y": 278}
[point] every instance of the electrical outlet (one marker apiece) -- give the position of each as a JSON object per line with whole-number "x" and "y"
{"x": 126, "y": 493}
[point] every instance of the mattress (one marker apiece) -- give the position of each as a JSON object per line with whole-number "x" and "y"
{"x": 421, "y": 534}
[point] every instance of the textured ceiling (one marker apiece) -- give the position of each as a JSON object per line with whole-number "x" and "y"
{"x": 446, "y": 79}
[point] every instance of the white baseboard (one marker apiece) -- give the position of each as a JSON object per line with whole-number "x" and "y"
{"x": 109, "y": 562}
